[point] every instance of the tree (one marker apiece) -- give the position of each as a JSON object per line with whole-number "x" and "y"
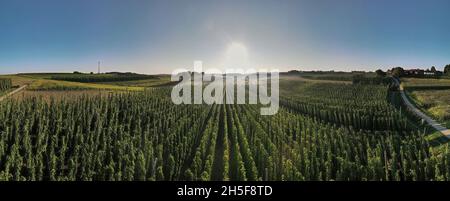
{"x": 380, "y": 73}
{"x": 447, "y": 69}
{"x": 433, "y": 69}
{"x": 398, "y": 72}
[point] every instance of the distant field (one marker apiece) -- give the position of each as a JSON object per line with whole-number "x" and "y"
{"x": 116, "y": 79}
{"x": 107, "y": 77}
{"x": 292, "y": 84}
{"x": 18, "y": 80}
{"x": 338, "y": 76}
{"x": 40, "y": 75}
{"x": 54, "y": 81}
{"x": 42, "y": 85}
{"x": 142, "y": 83}
{"x": 422, "y": 83}
{"x": 62, "y": 95}
{"x": 49, "y": 85}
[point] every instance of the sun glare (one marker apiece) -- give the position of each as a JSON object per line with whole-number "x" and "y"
{"x": 236, "y": 56}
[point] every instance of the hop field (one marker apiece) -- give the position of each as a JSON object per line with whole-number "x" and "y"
{"x": 322, "y": 131}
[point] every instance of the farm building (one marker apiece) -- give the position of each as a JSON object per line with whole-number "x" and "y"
{"x": 414, "y": 72}
{"x": 430, "y": 72}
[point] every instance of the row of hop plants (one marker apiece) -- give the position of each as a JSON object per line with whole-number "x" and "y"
{"x": 5, "y": 84}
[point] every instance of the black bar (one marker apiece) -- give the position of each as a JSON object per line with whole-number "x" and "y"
{"x": 280, "y": 190}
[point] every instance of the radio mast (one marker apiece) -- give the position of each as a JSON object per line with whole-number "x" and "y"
{"x": 98, "y": 67}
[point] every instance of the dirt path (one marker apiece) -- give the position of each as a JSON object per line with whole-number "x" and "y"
{"x": 445, "y": 131}
{"x": 13, "y": 92}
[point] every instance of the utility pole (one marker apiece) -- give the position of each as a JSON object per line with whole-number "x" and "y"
{"x": 98, "y": 67}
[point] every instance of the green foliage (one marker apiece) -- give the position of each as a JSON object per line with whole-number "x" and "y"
{"x": 398, "y": 72}
{"x": 5, "y": 84}
{"x": 380, "y": 73}
{"x": 433, "y": 69}
{"x": 447, "y": 69}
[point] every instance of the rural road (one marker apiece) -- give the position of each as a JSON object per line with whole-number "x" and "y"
{"x": 445, "y": 131}
{"x": 13, "y": 92}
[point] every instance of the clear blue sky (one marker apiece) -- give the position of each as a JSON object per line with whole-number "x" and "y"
{"x": 160, "y": 36}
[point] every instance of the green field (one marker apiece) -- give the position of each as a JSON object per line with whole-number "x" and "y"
{"x": 331, "y": 75}
{"x": 424, "y": 83}
{"x": 54, "y": 85}
{"x": 431, "y": 95}
{"x": 106, "y": 77}
{"x": 157, "y": 81}
{"x": 111, "y": 81}
{"x": 324, "y": 130}
{"x": 435, "y": 102}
